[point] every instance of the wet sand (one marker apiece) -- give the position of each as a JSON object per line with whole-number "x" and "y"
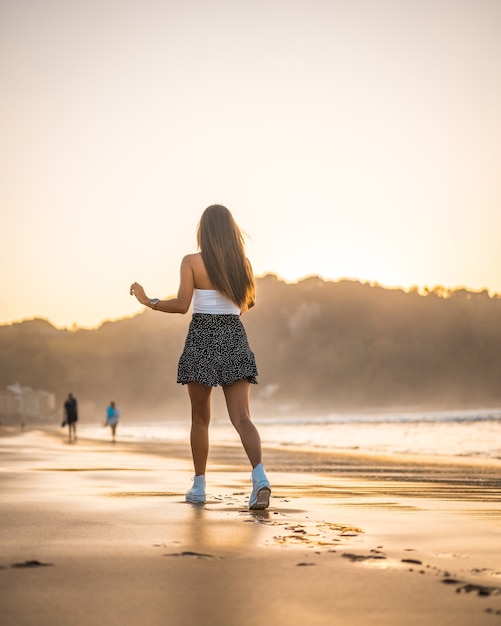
{"x": 99, "y": 533}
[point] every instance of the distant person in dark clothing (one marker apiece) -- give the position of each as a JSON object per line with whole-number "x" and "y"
{"x": 71, "y": 416}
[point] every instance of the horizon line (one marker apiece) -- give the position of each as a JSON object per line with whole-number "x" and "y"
{"x": 422, "y": 290}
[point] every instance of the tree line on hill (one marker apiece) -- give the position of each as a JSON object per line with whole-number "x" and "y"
{"x": 320, "y": 346}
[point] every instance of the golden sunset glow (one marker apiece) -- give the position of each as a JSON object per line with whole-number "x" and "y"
{"x": 349, "y": 140}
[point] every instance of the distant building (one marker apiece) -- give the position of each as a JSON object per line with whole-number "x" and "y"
{"x": 10, "y": 403}
{"x": 24, "y": 402}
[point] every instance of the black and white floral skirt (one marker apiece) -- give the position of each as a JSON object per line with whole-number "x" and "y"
{"x": 216, "y": 352}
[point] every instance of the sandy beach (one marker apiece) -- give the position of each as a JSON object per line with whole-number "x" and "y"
{"x": 99, "y": 533}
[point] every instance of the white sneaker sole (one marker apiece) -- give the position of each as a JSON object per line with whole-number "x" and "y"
{"x": 263, "y": 500}
{"x": 195, "y": 499}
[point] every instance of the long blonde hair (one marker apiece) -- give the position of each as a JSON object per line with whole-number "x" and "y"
{"x": 221, "y": 244}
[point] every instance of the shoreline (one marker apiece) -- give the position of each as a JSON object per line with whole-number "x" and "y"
{"x": 353, "y": 540}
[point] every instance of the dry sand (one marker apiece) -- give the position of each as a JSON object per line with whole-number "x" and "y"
{"x": 96, "y": 533}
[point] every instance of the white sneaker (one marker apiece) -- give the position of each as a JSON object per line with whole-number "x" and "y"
{"x": 261, "y": 490}
{"x": 196, "y": 495}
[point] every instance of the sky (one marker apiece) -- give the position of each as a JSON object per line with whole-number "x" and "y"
{"x": 352, "y": 139}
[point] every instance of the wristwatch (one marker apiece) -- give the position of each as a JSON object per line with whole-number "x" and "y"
{"x": 154, "y": 302}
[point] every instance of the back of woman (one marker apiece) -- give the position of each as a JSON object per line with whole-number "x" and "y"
{"x": 219, "y": 283}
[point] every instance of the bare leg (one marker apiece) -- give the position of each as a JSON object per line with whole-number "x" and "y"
{"x": 200, "y": 397}
{"x": 237, "y": 402}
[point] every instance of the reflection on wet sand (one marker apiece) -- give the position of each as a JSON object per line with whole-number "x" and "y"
{"x": 358, "y": 538}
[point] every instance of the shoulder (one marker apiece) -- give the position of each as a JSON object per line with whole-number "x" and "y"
{"x": 192, "y": 259}
{"x": 194, "y": 263}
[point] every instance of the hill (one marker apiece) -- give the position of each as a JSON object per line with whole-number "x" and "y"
{"x": 320, "y": 347}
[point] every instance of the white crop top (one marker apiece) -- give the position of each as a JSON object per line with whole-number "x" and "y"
{"x": 213, "y": 301}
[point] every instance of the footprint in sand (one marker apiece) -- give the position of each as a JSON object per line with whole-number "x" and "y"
{"x": 28, "y": 564}
{"x": 197, "y": 555}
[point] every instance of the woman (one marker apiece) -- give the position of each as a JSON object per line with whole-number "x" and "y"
{"x": 112, "y": 417}
{"x": 220, "y": 281}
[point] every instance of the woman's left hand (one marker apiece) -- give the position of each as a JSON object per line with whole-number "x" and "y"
{"x": 137, "y": 290}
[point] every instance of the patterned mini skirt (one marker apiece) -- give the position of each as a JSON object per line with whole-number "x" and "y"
{"x": 216, "y": 352}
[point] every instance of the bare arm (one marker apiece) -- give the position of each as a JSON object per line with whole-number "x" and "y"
{"x": 179, "y": 304}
